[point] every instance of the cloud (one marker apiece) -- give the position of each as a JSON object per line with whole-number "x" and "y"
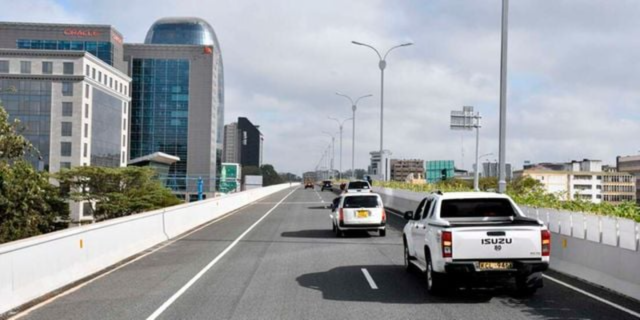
{"x": 572, "y": 72}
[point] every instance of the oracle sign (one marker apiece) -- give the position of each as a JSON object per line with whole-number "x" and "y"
{"x": 81, "y": 33}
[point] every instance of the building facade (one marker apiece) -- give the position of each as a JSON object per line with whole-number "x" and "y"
{"x": 230, "y": 143}
{"x": 177, "y": 100}
{"x": 379, "y": 168}
{"x": 585, "y": 180}
{"x": 74, "y": 108}
{"x": 401, "y": 169}
{"x": 630, "y": 164}
{"x": 250, "y": 143}
{"x": 492, "y": 169}
{"x": 437, "y": 170}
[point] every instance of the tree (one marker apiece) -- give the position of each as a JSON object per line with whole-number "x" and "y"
{"x": 289, "y": 177}
{"x": 269, "y": 175}
{"x": 29, "y": 204}
{"x": 116, "y": 192}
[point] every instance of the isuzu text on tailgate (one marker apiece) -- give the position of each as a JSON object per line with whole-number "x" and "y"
{"x": 473, "y": 238}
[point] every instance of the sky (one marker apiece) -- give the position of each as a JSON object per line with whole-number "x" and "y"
{"x": 572, "y": 90}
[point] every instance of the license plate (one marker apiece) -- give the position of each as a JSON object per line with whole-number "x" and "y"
{"x": 496, "y": 265}
{"x": 362, "y": 214}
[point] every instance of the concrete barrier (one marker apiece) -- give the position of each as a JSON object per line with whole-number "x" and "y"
{"x": 598, "y": 249}
{"x": 33, "y": 267}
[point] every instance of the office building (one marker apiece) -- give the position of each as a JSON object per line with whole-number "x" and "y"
{"x": 178, "y": 100}
{"x": 379, "y": 168}
{"x": 101, "y": 41}
{"x": 74, "y": 108}
{"x": 401, "y": 169}
{"x": 231, "y": 144}
{"x": 630, "y": 164}
{"x": 492, "y": 169}
{"x": 585, "y": 180}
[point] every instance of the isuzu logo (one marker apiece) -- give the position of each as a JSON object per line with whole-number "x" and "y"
{"x": 496, "y": 241}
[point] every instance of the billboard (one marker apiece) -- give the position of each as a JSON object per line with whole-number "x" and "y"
{"x": 230, "y": 177}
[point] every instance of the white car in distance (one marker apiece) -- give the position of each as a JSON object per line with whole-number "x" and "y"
{"x": 357, "y": 186}
{"x": 358, "y": 211}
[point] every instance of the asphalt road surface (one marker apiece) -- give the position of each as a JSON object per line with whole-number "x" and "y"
{"x": 289, "y": 265}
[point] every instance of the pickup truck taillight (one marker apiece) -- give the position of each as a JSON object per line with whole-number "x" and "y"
{"x": 341, "y": 215}
{"x": 546, "y": 243}
{"x": 447, "y": 244}
{"x": 384, "y": 215}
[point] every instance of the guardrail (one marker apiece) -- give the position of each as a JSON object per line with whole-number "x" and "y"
{"x": 598, "y": 249}
{"x": 33, "y": 267}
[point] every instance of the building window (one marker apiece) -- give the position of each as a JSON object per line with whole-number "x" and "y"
{"x": 124, "y": 124}
{"x": 93, "y": 73}
{"x": 67, "y": 109}
{"x": 85, "y": 150}
{"x": 4, "y": 66}
{"x": 67, "y": 89}
{"x": 124, "y": 140}
{"x": 99, "y": 76}
{"x": 124, "y": 156}
{"x": 65, "y": 149}
{"x": 25, "y": 67}
{"x": 111, "y": 83}
{"x": 67, "y": 67}
{"x": 86, "y": 130}
{"x": 87, "y": 70}
{"x": 65, "y": 165}
{"x": 86, "y": 91}
{"x": 47, "y": 67}
{"x": 66, "y": 129}
{"x": 125, "y": 108}
{"x": 86, "y": 111}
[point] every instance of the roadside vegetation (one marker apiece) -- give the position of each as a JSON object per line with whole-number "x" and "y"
{"x": 524, "y": 191}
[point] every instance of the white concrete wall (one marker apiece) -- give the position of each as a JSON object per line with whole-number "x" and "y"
{"x": 33, "y": 267}
{"x": 598, "y": 249}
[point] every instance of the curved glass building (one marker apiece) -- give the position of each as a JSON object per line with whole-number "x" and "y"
{"x": 178, "y": 101}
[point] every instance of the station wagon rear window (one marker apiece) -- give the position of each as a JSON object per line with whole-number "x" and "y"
{"x": 476, "y": 208}
{"x": 361, "y": 202}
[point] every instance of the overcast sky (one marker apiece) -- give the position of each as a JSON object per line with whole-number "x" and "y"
{"x": 573, "y": 89}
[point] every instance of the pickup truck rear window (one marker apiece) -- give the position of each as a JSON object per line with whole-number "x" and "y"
{"x": 358, "y": 185}
{"x": 476, "y": 208}
{"x": 361, "y": 202}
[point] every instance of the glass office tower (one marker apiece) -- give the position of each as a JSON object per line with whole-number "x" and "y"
{"x": 178, "y": 101}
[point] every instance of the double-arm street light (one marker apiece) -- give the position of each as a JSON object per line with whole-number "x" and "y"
{"x": 354, "y": 107}
{"x": 382, "y": 64}
{"x": 341, "y": 124}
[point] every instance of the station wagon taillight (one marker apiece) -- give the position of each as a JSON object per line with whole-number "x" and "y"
{"x": 341, "y": 215}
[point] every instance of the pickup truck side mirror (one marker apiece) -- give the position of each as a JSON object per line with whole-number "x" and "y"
{"x": 408, "y": 215}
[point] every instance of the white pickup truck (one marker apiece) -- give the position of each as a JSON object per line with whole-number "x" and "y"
{"x": 463, "y": 238}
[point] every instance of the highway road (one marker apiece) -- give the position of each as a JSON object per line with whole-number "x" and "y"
{"x": 278, "y": 259}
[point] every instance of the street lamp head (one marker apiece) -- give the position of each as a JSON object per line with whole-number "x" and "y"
{"x": 406, "y": 44}
{"x": 358, "y": 43}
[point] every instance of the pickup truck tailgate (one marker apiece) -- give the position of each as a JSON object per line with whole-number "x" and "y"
{"x": 496, "y": 243}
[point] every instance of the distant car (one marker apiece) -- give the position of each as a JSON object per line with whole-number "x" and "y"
{"x": 326, "y": 185}
{"x": 358, "y": 211}
{"x": 308, "y": 185}
{"x": 357, "y": 186}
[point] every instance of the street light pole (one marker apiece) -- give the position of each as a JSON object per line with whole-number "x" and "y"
{"x": 354, "y": 107}
{"x": 341, "y": 126}
{"x": 502, "y": 183}
{"x": 382, "y": 64}
{"x": 333, "y": 150}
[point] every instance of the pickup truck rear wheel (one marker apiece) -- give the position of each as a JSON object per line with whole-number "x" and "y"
{"x": 382, "y": 232}
{"x": 527, "y": 285}
{"x": 436, "y": 282}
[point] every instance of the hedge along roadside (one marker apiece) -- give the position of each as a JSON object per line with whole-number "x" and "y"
{"x": 526, "y": 191}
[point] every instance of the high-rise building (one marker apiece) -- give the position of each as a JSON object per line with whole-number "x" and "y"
{"x": 67, "y": 84}
{"x": 492, "y": 169}
{"x": 231, "y": 144}
{"x": 379, "y": 167}
{"x": 177, "y": 102}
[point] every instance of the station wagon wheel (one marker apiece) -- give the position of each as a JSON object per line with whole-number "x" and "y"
{"x": 407, "y": 257}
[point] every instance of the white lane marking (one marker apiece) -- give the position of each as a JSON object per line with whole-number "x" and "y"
{"x": 311, "y": 202}
{"x": 593, "y": 296}
{"x": 81, "y": 285}
{"x": 369, "y": 279}
{"x": 193, "y": 280}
